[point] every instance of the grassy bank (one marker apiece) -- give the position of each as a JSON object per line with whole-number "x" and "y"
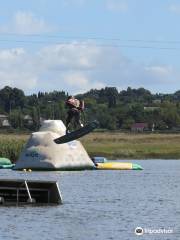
{"x": 133, "y": 146}
{"x": 110, "y": 145}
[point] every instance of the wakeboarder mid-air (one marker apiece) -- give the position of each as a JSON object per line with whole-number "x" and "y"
{"x": 75, "y": 109}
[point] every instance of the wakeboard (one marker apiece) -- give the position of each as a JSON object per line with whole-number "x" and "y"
{"x": 77, "y": 133}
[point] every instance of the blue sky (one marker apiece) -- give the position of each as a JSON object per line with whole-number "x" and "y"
{"x": 76, "y": 45}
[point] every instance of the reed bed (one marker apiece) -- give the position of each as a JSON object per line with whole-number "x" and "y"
{"x": 11, "y": 145}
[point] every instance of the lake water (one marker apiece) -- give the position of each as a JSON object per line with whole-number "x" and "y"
{"x": 101, "y": 205}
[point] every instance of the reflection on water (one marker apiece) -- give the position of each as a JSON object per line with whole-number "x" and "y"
{"x": 100, "y": 205}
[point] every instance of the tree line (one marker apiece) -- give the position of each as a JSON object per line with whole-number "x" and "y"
{"x": 112, "y": 108}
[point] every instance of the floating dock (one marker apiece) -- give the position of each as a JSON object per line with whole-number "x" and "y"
{"x": 118, "y": 166}
{"x": 23, "y": 192}
{"x": 102, "y": 163}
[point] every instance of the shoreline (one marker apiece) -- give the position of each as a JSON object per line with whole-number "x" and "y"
{"x": 112, "y": 145}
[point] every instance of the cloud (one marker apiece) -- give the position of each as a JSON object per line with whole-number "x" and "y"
{"x": 117, "y": 5}
{"x": 78, "y": 67}
{"x": 26, "y": 23}
{"x": 71, "y": 65}
{"x": 175, "y": 8}
{"x": 11, "y": 54}
{"x": 81, "y": 82}
{"x": 14, "y": 69}
{"x": 21, "y": 80}
{"x": 62, "y": 66}
{"x": 162, "y": 71}
{"x": 73, "y": 55}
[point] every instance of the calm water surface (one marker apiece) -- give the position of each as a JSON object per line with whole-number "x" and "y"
{"x": 101, "y": 205}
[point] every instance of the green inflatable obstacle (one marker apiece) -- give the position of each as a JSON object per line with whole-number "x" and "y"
{"x": 5, "y": 163}
{"x": 10, "y": 166}
{"x": 136, "y": 166}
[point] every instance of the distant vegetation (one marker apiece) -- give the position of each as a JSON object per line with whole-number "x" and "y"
{"x": 113, "y": 109}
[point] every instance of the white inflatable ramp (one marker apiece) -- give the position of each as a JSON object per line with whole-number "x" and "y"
{"x": 42, "y": 153}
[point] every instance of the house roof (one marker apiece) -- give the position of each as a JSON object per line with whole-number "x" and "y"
{"x": 6, "y": 123}
{"x": 3, "y": 116}
{"x": 27, "y": 117}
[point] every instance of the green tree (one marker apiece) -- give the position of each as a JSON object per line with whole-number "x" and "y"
{"x": 16, "y": 119}
{"x": 11, "y": 98}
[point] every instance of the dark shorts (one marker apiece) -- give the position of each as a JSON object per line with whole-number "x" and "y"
{"x": 73, "y": 113}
